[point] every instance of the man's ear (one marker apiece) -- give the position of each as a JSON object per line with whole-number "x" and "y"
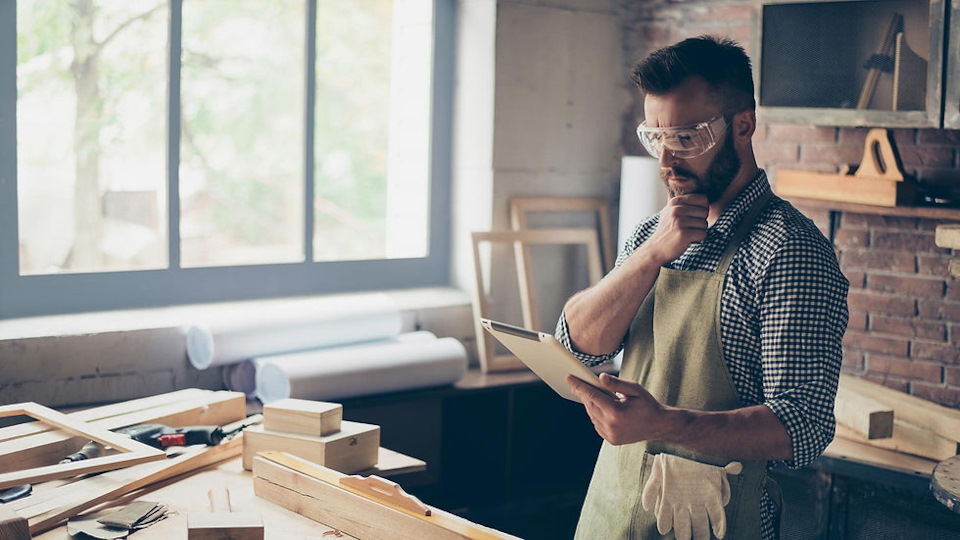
{"x": 744, "y": 125}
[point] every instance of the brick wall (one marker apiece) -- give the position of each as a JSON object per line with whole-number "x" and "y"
{"x": 904, "y": 326}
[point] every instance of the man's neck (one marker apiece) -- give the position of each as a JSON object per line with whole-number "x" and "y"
{"x": 746, "y": 175}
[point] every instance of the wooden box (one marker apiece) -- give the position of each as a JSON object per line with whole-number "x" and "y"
{"x": 306, "y": 417}
{"x": 352, "y": 449}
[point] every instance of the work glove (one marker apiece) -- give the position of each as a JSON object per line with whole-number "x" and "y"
{"x": 688, "y": 496}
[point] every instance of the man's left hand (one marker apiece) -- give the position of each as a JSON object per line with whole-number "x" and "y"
{"x": 627, "y": 416}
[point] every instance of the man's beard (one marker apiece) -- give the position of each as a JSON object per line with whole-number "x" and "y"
{"x": 720, "y": 174}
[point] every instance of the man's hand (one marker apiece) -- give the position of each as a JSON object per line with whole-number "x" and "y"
{"x": 630, "y": 415}
{"x": 683, "y": 221}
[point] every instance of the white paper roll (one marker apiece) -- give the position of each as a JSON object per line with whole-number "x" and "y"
{"x": 642, "y": 194}
{"x": 294, "y": 327}
{"x": 415, "y": 360}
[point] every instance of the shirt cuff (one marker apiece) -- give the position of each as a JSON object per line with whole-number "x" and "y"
{"x": 563, "y": 336}
{"x": 806, "y": 440}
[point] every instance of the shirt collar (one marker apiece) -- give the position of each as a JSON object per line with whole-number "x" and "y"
{"x": 739, "y": 206}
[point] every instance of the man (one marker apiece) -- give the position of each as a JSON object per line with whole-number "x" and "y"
{"x": 730, "y": 308}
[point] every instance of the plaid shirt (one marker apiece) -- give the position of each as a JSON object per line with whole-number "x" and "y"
{"x": 782, "y": 317}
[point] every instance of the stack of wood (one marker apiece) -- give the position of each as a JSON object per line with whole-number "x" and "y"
{"x": 315, "y": 431}
{"x": 31, "y": 452}
{"x": 873, "y": 414}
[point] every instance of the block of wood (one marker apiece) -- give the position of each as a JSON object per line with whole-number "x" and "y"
{"x": 303, "y": 416}
{"x": 223, "y": 523}
{"x": 863, "y": 414}
{"x": 845, "y": 188}
{"x": 350, "y": 450}
{"x": 12, "y": 526}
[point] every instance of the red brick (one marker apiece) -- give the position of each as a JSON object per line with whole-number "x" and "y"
{"x": 874, "y": 259}
{"x": 879, "y": 344}
{"x": 860, "y": 221}
{"x": 915, "y": 286}
{"x": 949, "y": 137}
{"x": 821, "y": 153}
{"x": 852, "y": 361}
{"x": 934, "y": 265}
{"x": 904, "y": 137}
{"x": 886, "y": 380}
{"x": 858, "y": 320}
{"x": 904, "y": 241}
{"x": 926, "y": 156}
{"x": 851, "y": 238}
{"x": 951, "y": 375}
{"x": 855, "y": 136}
{"x": 857, "y": 278}
{"x": 953, "y": 288}
{"x": 928, "y": 224}
{"x": 938, "y": 309}
{"x": 954, "y": 331}
{"x": 778, "y": 153}
{"x": 898, "y": 222}
{"x": 880, "y": 303}
{"x": 944, "y": 353}
{"x": 742, "y": 13}
{"x": 910, "y": 327}
{"x": 943, "y": 395}
{"x": 801, "y": 133}
{"x": 901, "y": 367}
{"x": 743, "y": 34}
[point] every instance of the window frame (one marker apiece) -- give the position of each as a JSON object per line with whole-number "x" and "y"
{"x": 33, "y": 295}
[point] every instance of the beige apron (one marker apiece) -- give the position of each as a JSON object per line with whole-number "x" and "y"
{"x": 674, "y": 351}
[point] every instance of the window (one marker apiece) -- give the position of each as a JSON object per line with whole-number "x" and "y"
{"x": 157, "y": 152}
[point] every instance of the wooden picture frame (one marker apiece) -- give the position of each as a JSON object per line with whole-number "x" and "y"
{"x": 131, "y": 451}
{"x": 520, "y": 206}
{"x": 486, "y": 347}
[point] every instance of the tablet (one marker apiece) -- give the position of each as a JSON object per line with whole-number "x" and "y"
{"x": 545, "y": 356}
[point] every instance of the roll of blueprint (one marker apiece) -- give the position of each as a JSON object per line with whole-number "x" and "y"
{"x": 415, "y": 360}
{"x": 642, "y": 194}
{"x": 293, "y": 326}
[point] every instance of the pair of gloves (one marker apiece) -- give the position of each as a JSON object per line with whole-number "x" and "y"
{"x": 688, "y": 496}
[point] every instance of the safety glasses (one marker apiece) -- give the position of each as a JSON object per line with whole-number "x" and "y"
{"x": 684, "y": 142}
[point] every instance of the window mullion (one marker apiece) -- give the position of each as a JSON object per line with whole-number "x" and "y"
{"x": 309, "y": 130}
{"x": 173, "y": 135}
{"x": 9, "y": 241}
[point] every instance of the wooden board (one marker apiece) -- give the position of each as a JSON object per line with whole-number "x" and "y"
{"x": 130, "y": 452}
{"x": 911, "y": 409}
{"x": 948, "y": 236}
{"x": 350, "y": 450}
{"x": 908, "y": 439}
{"x": 844, "y": 188}
{"x": 879, "y": 457}
{"x": 303, "y": 416}
{"x": 12, "y": 526}
{"x": 864, "y": 415}
{"x": 50, "y": 446}
{"x": 354, "y": 514}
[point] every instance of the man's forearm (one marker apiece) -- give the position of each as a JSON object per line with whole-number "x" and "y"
{"x": 750, "y": 433}
{"x": 598, "y": 317}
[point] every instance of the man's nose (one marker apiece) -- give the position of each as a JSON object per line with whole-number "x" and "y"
{"x": 667, "y": 159}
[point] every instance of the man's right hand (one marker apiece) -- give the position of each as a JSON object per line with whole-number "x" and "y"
{"x": 683, "y": 221}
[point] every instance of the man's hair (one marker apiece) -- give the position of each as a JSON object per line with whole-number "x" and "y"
{"x": 722, "y": 62}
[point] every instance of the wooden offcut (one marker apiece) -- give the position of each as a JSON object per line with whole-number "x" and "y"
{"x": 910, "y": 409}
{"x": 222, "y": 523}
{"x": 13, "y": 526}
{"x": 352, "y": 449}
{"x": 314, "y": 491}
{"x": 908, "y": 439}
{"x": 948, "y": 236}
{"x": 306, "y": 417}
{"x": 862, "y": 414}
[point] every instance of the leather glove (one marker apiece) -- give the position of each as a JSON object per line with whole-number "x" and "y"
{"x": 688, "y": 496}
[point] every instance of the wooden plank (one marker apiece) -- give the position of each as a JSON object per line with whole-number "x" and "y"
{"x": 40, "y": 449}
{"x": 948, "y": 236}
{"x": 96, "y": 490}
{"x": 222, "y": 523}
{"x": 390, "y": 463}
{"x": 844, "y": 188}
{"x": 354, "y": 514}
{"x": 306, "y": 417}
{"x": 131, "y": 451}
{"x": 879, "y": 457}
{"x": 910, "y": 409}
{"x": 12, "y": 526}
{"x": 352, "y": 449}
{"x": 863, "y": 414}
{"x": 924, "y": 212}
{"x": 907, "y": 439}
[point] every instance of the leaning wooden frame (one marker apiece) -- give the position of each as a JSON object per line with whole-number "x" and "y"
{"x": 520, "y": 206}
{"x": 486, "y": 347}
{"x": 130, "y": 451}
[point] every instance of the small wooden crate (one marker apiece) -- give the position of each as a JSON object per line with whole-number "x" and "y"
{"x": 352, "y": 449}
{"x": 303, "y": 416}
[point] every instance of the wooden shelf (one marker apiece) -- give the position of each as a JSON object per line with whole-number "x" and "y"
{"x": 925, "y": 212}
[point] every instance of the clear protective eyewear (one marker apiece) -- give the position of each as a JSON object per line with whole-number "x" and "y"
{"x": 684, "y": 142}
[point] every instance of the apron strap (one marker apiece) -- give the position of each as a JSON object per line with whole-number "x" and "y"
{"x": 743, "y": 228}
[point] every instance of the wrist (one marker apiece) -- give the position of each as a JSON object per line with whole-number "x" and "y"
{"x": 648, "y": 255}
{"x": 675, "y": 425}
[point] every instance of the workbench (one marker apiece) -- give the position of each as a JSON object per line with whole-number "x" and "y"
{"x": 188, "y": 495}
